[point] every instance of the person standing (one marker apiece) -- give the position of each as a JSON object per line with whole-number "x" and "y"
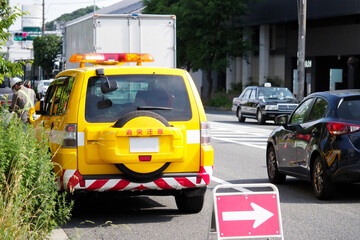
{"x": 23, "y": 99}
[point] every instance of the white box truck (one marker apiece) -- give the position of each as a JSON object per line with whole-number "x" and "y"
{"x": 123, "y": 33}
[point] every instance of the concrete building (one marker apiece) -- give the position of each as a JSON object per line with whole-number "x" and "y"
{"x": 331, "y": 55}
{"x": 332, "y": 50}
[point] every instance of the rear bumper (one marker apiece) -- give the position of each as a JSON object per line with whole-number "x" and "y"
{"x": 72, "y": 180}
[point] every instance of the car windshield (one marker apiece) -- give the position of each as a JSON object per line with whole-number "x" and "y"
{"x": 163, "y": 94}
{"x": 47, "y": 83}
{"x": 349, "y": 110}
{"x": 275, "y": 93}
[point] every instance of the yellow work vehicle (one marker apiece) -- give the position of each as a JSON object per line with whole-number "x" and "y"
{"x": 137, "y": 129}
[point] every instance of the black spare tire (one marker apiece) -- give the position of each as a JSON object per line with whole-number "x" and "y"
{"x": 131, "y": 115}
{"x": 141, "y": 177}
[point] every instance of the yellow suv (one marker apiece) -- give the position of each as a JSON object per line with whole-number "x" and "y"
{"x": 128, "y": 128}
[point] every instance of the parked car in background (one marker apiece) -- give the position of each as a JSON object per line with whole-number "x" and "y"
{"x": 319, "y": 142}
{"x": 263, "y": 103}
{"x": 43, "y": 86}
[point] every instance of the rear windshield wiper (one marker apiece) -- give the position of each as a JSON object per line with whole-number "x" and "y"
{"x": 153, "y": 108}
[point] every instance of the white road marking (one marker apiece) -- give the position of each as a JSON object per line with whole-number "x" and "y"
{"x": 218, "y": 180}
{"x": 242, "y": 135}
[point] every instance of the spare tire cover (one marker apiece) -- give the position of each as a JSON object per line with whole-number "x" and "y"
{"x": 128, "y": 173}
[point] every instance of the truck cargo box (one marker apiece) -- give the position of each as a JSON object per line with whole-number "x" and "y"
{"x": 123, "y": 33}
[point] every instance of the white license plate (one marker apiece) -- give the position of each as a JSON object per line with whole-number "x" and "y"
{"x": 140, "y": 145}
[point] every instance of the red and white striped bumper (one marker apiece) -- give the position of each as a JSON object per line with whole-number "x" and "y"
{"x": 71, "y": 180}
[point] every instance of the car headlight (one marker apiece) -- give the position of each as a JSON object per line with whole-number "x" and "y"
{"x": 271, "y": 107}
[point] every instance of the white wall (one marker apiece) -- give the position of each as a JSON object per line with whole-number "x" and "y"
{"x": 277, "y": 67}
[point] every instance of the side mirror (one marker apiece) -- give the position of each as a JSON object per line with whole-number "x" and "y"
{"x": 108, "y": 86}
{"x": 39, "y": 107}
{"x": 282, "y": 119}
{"x": 31, "y": 113}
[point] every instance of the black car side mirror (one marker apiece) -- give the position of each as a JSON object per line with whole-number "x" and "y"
{"x": 282, "y": 119}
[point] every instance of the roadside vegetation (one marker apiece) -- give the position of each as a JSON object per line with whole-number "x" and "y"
{"x": 49, "y": 26}
{"x": 30, "y": 205}
{"x": 46, "y": 50}
{"x": 222, "y": 100}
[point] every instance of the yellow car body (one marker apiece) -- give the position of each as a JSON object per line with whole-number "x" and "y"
{"x": 117, "y": 141}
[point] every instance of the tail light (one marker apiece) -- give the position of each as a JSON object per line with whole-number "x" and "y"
{"x": 70, "y": 139}
{"x": 337, "y": 128}
{"x": 205, "y": 133}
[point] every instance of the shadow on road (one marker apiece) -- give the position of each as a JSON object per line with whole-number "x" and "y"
{"x": 298, "y": 191}
{"x": 92, "y": 211}
{"x": 295, "y": 191}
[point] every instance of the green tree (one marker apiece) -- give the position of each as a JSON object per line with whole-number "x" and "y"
{"x": 70, "y": 16}
{"x": 46, "y": 50}
{"x": 209, "y": 32}
{"x": 8, "y": 15}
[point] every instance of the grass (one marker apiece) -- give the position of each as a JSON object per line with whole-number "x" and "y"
{"x": 30, "y": 205}
{"x": 221, "y": 99}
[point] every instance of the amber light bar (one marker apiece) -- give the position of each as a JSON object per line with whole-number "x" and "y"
{"x": 110, "y": 58}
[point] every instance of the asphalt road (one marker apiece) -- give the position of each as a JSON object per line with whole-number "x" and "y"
{"x": 239, "y": 159}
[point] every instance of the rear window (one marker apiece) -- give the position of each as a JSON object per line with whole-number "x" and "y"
{"x": 349, "y": 110}
{"x": 275, "y": 93}
{"x": 135, "y": 91}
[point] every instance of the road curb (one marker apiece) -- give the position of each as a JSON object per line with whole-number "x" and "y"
{"x": 58, "y": 234}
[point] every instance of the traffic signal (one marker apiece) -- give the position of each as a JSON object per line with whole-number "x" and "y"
{"x": 20, "y": 36}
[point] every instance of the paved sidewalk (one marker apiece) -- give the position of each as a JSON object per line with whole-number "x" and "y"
{"x": 58, "y": 234}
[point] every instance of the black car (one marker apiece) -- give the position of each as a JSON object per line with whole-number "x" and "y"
{"x": 263, "y": 103}
{"x": 318, "y": 142}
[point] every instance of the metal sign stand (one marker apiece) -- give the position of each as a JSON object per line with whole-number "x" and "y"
{"x": 246, "y": 211}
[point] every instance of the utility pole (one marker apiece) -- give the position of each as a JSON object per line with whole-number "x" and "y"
{"x": 43, "y": 17}
{"x": 9, "y": 42}
{"x": 301, "y": 48}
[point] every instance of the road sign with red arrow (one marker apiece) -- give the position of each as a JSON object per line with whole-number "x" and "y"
{"x": 247, "y": 214}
